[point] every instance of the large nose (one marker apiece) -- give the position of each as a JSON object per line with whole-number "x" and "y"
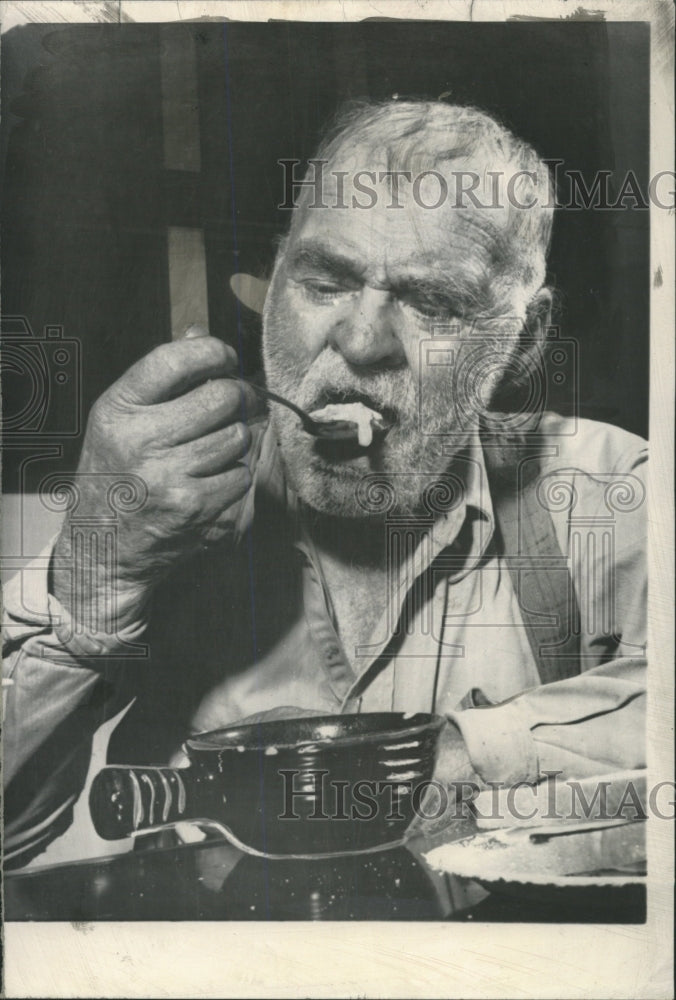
{"x": 366, "y": 335}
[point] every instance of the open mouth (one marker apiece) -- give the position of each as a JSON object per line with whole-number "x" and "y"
{"x": 371, "y": 421}
{"x": 337, "y": 399}
{"x": 355, "y": 422}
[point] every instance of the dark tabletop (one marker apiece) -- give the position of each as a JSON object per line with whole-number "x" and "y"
{"x": 214, "y": 881}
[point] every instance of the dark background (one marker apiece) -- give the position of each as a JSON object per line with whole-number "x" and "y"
{"x": 87, "y": 202}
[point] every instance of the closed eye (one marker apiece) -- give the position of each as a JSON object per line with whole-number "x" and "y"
{"x": 323, "y": 289}
{"x": 430, "y": 308}
{"x": 431, "y": 300}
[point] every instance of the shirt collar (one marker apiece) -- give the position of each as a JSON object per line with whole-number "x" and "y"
{"x": 470, "y": 468}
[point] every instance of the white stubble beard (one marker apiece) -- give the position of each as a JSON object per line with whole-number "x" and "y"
{"x": 409, "y": 458}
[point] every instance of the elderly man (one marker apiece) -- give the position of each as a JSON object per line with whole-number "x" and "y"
{"x": 458, "y": 559}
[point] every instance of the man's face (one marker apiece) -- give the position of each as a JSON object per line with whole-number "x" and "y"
{"x": 355, "y": 299}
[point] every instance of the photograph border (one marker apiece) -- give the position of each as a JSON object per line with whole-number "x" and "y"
{"x": 414, "y": 959}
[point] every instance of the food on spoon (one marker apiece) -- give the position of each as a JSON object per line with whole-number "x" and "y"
{"x": 365, "y": 418}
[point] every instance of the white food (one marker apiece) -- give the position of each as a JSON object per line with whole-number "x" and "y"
{"x": 359, "y": 414}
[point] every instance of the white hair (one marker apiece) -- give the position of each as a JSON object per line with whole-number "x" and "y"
{"x": 423, "y": 135}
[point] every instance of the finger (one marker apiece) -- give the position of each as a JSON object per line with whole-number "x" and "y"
{"x": 172, "y": 369}
{"x": 214, "y": 452}
{"x": 224, "y": 489}
{"x": 212, "y": 405}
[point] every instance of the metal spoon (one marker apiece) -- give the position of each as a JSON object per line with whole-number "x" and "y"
{"x": 331, "y": 430}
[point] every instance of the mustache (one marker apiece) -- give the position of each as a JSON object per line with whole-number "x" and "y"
{"x": 328, "y": 381}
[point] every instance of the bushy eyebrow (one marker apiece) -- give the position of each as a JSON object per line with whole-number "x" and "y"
{"x": 317, "y": 256}
{"x": 439, "y": 287}
{"x": 406, "y": 279}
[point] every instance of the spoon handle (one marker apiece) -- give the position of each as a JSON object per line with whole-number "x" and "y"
{"x": 268, "y": 394}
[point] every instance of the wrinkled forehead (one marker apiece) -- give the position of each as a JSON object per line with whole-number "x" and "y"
{"x": 366, "y": 200}
{"x": 415, "y": 187}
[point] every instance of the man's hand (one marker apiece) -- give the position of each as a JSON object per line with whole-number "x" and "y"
{"x": 175, "y": 422}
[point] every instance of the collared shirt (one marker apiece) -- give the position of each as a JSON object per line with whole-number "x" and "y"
{"x": 250, "y": 627}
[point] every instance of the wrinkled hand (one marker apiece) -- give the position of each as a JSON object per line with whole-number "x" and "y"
{"x": 177, "y": 424}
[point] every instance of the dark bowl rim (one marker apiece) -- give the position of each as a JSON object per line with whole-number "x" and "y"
{"x": 432, "y": 721}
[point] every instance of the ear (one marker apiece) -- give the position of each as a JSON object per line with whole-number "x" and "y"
{"x": 538, "y": 315}
{"x": 534, "y": 329}
{"x": 527, "y": 353}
